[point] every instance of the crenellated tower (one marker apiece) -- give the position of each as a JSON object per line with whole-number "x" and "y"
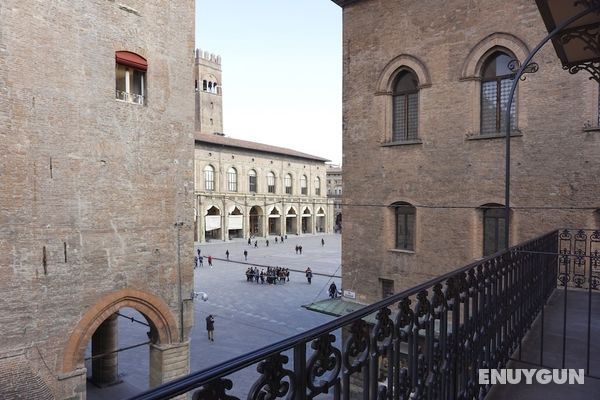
{"x": 209, "y": 93}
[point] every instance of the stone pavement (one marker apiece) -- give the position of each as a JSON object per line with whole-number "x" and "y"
{"x": 248, "y": 316}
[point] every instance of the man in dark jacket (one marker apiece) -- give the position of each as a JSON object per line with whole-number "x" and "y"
{"x": 210, "y": 327}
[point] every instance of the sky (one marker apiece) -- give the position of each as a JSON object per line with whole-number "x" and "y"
{"x": 282, "y": 70}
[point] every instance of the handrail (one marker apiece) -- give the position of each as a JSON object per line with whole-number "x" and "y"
{"x": 196, "y": 379}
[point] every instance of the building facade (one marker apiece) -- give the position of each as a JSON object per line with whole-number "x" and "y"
{"x": 96, "y": 189}
{"x": 424, "y": 105}
{"x": 334, "y": 192}
{"x": 246, "y": 189}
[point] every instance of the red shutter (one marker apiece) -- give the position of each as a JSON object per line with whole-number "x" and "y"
{"x": 131, "y": 60}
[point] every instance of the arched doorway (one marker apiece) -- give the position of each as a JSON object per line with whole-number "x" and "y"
{"x": 274, "y": 222}
{"x": 320, "y": 225}
{"x": 99, "y": 325}
{"x": 255, "y": 225}
{"x": 234, "y": 223}
{"x": 307, "y": 221}
{"x": 212, "y": 224}
{"x": 291, "y": 221}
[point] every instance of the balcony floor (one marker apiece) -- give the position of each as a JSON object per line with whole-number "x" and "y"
{"x": 576, "y": 345}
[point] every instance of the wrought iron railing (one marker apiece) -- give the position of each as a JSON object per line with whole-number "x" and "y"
{"x": 579, "y": 262}
{"x": 129, "y": 97}
{"x": 425, "y": 342}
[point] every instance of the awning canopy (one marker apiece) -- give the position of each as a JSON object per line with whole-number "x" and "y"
{"x": 131, "y": 60}
{"x": 578, "y": 44}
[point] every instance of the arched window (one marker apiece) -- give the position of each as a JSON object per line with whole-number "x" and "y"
{"x": 232, "y": 180}
{"x": 405, "y": 225}
{"x": 317, "y": 186}
{"x": 496, "y": 81}
{"x": 252, "y": 181}
{"x": 303, "y": 186}
{"x": 287, "y": 182}
{"x": 209, "y": 178}
{"x": 494, "y": 238}
{"x": 271, "y": 182}
{"x": 405, "y": 107}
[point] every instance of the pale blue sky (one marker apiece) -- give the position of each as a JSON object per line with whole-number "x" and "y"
{"x": 282, "y": 70}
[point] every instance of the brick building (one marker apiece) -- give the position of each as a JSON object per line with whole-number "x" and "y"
{"x": 96, "y": 188}
{"x": 425, "y": 87}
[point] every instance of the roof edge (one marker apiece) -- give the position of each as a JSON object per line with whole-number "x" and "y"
{"x": 343, "y": 3}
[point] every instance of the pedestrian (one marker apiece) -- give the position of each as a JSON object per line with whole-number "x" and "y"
{"x": 256, "y": 243}
{"x": 201, "y": 261}
{"x": 210, "y": 261}
{"x": 287, "y": 274}
{"x": 195, "y": 262}
{"x": 309, "y": 275}
{"x": 296, "y": 249}
{"x": 275, "y": 239}
{"x": 210, "y": 327}
{"x": 246, "y": 255}
{"x": 249, "y": 242}
{"x": 282, "y": 239}
{"x": 227, "y": 254}
{"x": 300, "y": 248}
{"x": 198, "y": 252}
{"x": 322, "y": 242}
{"x": 267, "y": 242}
{"x": 285, "y": 237}
{"x": 332, "y": 290}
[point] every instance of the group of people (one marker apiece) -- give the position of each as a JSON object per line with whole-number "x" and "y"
{"x": 272, "y": 275}
{"x": 278, "y": 239}
{"x": 199, "y": 260}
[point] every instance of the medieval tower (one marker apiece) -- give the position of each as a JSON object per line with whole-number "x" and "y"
{"x": 96, "y": 184}
{"x": 209, "y": 93}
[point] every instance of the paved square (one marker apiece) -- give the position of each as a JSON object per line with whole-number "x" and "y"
{"x": 248, "y": 315}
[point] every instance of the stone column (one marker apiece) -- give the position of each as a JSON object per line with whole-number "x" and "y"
{"x": 105, "y": 369}
{"x": 168, "y": 362}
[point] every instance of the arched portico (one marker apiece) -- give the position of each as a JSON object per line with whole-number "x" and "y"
{"x": 307, "y": 221}
{"x": 98, "y": 324}
{"x": 255, "y": 221}
{"x": 291, "y": 221}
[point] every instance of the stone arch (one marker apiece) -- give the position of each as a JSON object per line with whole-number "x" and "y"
{"x": 155, "y": 310}
{"x": 496, "y": 41}
{"x": 306, "y": 210}
{"x": 398, "y": 64}
{"x": 291, "y": 210}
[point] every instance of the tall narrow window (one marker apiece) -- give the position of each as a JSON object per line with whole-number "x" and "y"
{"x": 303, "y": 185}
{"x": 130, "y": 77}
{"x": 252, "y": 181}
{"x": 232, "y": 180}
{"x": 387, "y": 287}
{"x": 405, "y": 107}
{"x": 287, "y": 182}
{"x": 496, "y": 81}
{"x": 209, "y": 178}
{"x": 271, "y": 182}
{"x": 317, "y": 186}
{"x": 493, "y": 230}
{"x": 405, "y": 226}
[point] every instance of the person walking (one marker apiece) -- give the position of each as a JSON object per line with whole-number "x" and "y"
{"x": 201, "y": 261}
{"x": 267, "y": 242}
{"x": 249, "y": 242}
{"x": 256, "y": 243}
{"x": 332, "y": 290}
{"x": 296, "y": 249}
{"x": 198, "y": 252}
{"x": 210, "y": 261}
{"x": 282, "y": 239}
{"x": 276, "y": 239}
{"x": 210, "y": 327}
{"x": 196, "y": 262}
{"x": 227, "y": 254}
{"x": 300, "y": 248}
{"x": 322, "y": 242}
{"x": 309, "y": 275}
{"x": 245, "y": 255}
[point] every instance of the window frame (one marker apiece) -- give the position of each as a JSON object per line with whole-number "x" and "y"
{"x": 288, "y": 184}
{"x": 317, "y": 186}
{"x": 498, "y": 79}
{"x": 252, "y": 181}
{"x": 406, "y": 96}
{"x": 303, "y": 185}
{"x": 232, "y": 185}
{"x": 495, "y": 214}
{"x": 271, "y": 186}
{"x": 403, "y": 214}
{"x": 209, "y": 178}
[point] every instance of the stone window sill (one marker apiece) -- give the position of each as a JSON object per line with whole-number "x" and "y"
{"x": 402, "y": 143}
{"x": 477, "y": 136}
{"x": 401, "y": 251}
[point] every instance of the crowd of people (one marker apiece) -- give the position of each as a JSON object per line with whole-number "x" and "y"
{"x": 271, "y": 275}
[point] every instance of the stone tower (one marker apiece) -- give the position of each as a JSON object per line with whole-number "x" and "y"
{"x": 96, "y": 155}
{"x": 209, "y": 94}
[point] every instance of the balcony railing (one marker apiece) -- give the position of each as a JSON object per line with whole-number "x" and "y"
{"x": 129, "y": 97}
{"x": 425, "y": 342}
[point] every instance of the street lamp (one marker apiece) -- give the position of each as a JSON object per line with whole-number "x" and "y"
{"x": 202, "y": 295}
